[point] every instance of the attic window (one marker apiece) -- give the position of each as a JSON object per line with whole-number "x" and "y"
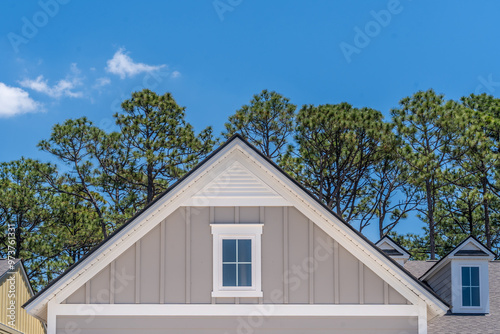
{"x": 470, "y": 287}
{"x": 237, "y": 260}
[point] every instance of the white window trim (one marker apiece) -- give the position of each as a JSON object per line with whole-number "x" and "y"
{"x": 461, "y": 286}
{"x": 456, "y": 289}
{"x": 237, "y": 231}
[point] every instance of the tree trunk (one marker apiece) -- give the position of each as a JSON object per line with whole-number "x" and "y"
{"x": 430, "y": 216}
{"x": 381, "y": 221}
{"x": 19, "y": 240}
{"x": 150, "y": 184}
{"x": 471, "y": 220}
{"x": 487, "y": 231}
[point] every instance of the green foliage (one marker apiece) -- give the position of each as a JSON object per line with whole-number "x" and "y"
{"x": 163, "y": 146}
{"x": 427, "y": 125}
{"x": 52, "y": 230}
{"x": 393, "y": 196}
{"x": 267, "y": 122}
{"x": 337, "y": 148}
{"x": 24, "y": 204}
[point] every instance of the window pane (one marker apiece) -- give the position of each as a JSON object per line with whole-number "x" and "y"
{"x": 229, "y": 275}
{"x": 475, "y": 297}
{"x": 244, "y": 250}
{"x": 244, "y": 275}
{"x": 228, "y": 250}
{"x": 474, "y": 273}
{"x": 465, "y": 276}
{"x": 466, "y": 297}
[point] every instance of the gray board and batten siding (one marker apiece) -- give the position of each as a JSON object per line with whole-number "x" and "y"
{"x": 172, "y": 264}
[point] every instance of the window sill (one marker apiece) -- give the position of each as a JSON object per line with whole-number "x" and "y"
{"x": 237, "y": 294}
{"x": 469, "y": 310}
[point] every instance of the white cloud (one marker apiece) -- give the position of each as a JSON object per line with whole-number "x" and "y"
{"x": 100, "y": 82}
{"x": 176, "y": 74}
{"x": 15, "y": 101}
{"x": 121, "y": 64}
{"x": 64, "y": 87}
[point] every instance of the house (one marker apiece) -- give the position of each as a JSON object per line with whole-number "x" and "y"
{"x": 15, "y": 290}
{"x": 237, "y": 246}
{"x": 469, "y": 281}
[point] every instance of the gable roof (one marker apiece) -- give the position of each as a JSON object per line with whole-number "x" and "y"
{"x": 396, "y": 249}
{"x": 5, "y": 266}
{"x": 302, "y": 198}
{"x": 480, "y": 251}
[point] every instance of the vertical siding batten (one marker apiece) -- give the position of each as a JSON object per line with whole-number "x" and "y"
{"x": 112, "y": 282}
{"x": 212, "y": 220}
{"x": 361, "y": 280}
{"x": 262, "y": 215}
{"x": 311, "y": 262}
{"x": 188, "y": 255}
{"x": 386, "y": 293}
{"x": 138, "y": 272}
{"x": 285, "y": 255}
{"x": 87, "y": 292}
{"x": 336, "y": 275}
{"x": 162, "y": 262}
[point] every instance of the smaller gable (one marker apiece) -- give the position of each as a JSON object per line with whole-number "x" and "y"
{"x": 393, "y": 250}
{"x": 472, "y": 247}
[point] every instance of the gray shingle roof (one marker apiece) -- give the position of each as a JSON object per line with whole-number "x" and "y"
{"x": 4, "y": 266}
{"x": 418, "y": 268}
{"x": 466, "y": 324}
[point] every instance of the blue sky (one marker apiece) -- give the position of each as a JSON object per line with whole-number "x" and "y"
{"x": 63, "y": 59}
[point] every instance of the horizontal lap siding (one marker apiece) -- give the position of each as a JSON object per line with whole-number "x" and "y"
{"x": 298, "y": 263}
{"x": 441, "y": 283}
{"x": 255, "y": 324}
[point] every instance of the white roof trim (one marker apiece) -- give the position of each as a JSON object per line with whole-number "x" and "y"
{"x": 8, "y": 329}
{"x": 237, "y": 150}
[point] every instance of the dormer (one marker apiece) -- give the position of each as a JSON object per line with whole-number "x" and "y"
{"x": 461, "y": 277}
{"x": 393, "y": 250}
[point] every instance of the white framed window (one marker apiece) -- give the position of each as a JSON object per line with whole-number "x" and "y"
{"x": 237, "y": 260}
{"x": 471, "y": 287}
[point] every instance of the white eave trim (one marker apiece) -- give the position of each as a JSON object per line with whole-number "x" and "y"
{"x": 8, "y": 329}
{"x": 214, "y": 310}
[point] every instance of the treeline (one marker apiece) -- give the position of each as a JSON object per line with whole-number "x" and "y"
{"x": 435, "y": 160}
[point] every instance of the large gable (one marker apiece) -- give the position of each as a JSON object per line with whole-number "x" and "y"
{"x": 216, "y": 182}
